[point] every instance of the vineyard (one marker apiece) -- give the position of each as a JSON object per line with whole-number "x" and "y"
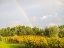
{"x": 32, "y": 41}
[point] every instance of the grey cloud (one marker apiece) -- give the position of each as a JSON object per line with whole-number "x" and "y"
{"x": 38, "y": 8}
{"x": 62, "y": 1}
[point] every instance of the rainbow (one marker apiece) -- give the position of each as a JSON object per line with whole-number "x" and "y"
{"x": 24, "y": 13}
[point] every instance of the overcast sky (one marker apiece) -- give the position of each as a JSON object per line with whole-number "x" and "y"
{"x": 39, "y": 13}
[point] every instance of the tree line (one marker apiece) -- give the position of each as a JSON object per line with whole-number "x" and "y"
{"x": 48, "y": 31}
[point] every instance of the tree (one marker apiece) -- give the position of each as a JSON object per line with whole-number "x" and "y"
{"x": 41, "y": 32}
{"x": 29, "y": 30}
{"x": 61, "y": 31}
{"x": 36, "y": 30}
{"x": 46, "y": 31}
{"x": 53, "y": 31}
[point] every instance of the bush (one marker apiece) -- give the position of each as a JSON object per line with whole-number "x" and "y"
{"x": 39, "y": 42}
{"x": 1, "y": 38}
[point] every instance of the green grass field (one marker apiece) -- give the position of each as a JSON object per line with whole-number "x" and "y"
{"x": 7, "y": 45}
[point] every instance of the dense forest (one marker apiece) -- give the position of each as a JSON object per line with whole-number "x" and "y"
{"x": 48, "y": 31}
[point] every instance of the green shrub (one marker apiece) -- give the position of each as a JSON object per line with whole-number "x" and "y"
{"x": 1, "y": 38}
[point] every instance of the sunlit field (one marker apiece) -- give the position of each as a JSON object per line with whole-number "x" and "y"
{"x": 3, "y": 45}
{"x": 8, "y": 45}
{"x": 31, "y": 41}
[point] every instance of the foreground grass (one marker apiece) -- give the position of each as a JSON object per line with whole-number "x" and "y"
{"x": 3, "y": 45}
{"x": 16, "y": 46}
{"x": 6, "y": 45}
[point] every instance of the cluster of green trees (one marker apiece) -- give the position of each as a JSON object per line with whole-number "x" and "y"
{"x": 48, "y": 31}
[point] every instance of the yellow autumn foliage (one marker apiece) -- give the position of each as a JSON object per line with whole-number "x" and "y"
{"x": 38, "y": 40}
